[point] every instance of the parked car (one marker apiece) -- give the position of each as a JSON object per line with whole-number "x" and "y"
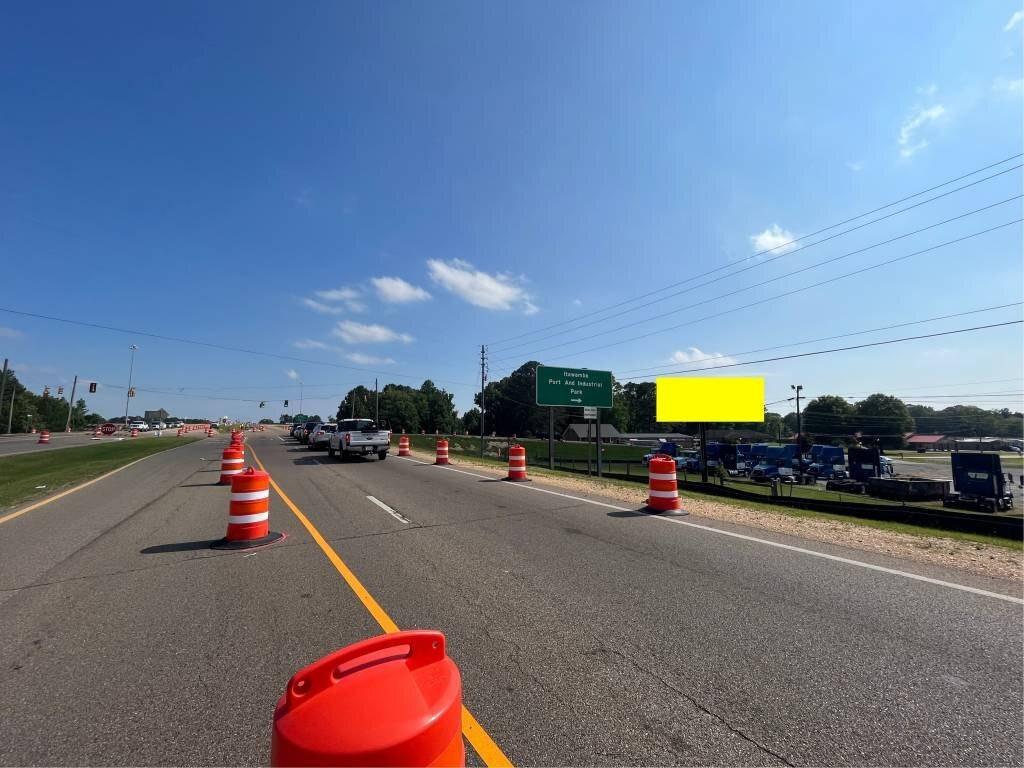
{"x": 139, "y": 425}
{"x": 307, "y": 430}
{"x": 359, "y": 437}
{"x": 321, "y": 436}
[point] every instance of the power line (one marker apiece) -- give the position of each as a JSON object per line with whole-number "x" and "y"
{"x": 781, "y": 245}
{"x": 222, "y": 347}
{"x": 846, "y": 335}
{"x": 878, "y": 265}
{"x": 841, "y": 349}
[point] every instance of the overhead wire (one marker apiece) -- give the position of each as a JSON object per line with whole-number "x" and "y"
{"x": 862, "y": 270}
{"x": 786, "y": 244}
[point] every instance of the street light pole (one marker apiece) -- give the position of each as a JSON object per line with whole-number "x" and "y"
{"x": 300, "y": 396}
{"x": 128, "y": 394}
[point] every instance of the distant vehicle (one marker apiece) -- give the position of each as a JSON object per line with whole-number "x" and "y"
{"x": 307, "y": 430}
{"x": 979, "y": 482}
{"x": 175, "y": 424}
{"x": 685, "y": 460}
{"x": 743, "y": 452}
{"x": 321, "y": 436}
{"x": 771, "y": 464}
{"x": 829, "y": 462}
{"x": 139, "y": 425}
{"x": 158, "y": 425}
{"x": 359, "y": 437}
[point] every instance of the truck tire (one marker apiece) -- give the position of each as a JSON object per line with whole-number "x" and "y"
{"x": 330, "y": 452}
{"x": 382, "y": 455}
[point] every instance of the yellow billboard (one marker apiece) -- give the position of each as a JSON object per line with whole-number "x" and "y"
{"x": 739, "y": 398}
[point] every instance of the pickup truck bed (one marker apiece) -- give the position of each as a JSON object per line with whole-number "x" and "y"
{"x": 359, "y": 437}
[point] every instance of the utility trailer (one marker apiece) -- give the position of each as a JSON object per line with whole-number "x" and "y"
{"x": 979, "y": 483}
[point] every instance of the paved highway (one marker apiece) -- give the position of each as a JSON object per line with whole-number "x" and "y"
{"x": 15, "y": 444}
{"x": 586, "y": 633}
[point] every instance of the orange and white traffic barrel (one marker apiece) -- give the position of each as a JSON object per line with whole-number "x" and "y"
{"x": 97, "y": 432}
{"x": 517, "y": 464}
{"x": 210, "y": 432}
{"x": 663, "y": 488}
{"x": 394, "y": 699}
{"x": 403, "y": 446}
{"x": 134, "y": 432}
{"x": 44, "y": 437}
{"x": 249, "y": 512}
{"x": 442, "y": 452}
{"x": 231, "y": 462}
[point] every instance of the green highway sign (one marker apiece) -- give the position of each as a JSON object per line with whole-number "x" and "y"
{"x": 571, "y": 387}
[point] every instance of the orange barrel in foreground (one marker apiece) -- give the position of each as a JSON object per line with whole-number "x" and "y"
{"x": 249, "y": 512}
{"x": 44, "y": 437}
{"x": 230, "y": 465}
{"x": 391, "y": 700}
{"x": 517, "y": 464}
{"x": 403, "y": 446}
{"x": 442, "y": 452}
{"x": 663, "y": 489}
{"x": 135, "y": 433}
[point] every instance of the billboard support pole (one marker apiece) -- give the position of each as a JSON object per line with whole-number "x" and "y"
{"x": 598, "y": 421}
{"x": 703, "y": 452}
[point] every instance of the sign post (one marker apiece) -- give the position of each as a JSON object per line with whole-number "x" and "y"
{"x": 574, "y": 388}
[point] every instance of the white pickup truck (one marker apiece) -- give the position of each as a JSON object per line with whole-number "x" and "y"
{"x": 359, "y": 437}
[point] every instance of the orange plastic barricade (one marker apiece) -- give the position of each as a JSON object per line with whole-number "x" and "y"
{"x": 517, "y": 464}
{"x": 442, "y": 452}
{"x": 390, "y": 700}
{"x": 403, "y": 446}
{"x": 230, "y": 465}
{"x": 663, "y": 489}
{"x": 249, "y": 512}
{"x": 44, "y": 437}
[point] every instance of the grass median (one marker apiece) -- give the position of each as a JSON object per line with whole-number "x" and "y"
{"x": 30, "y": 476}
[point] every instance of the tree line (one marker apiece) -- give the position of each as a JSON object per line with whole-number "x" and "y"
{"x": 39, "y": 411}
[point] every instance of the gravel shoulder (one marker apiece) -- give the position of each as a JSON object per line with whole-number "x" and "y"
{"x": 975, "y": 557}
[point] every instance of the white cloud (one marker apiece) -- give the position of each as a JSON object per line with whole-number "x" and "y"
{"x": 9, "y": 333}
{"x": 395, "y": 290}
{"x": 481, "y": 289}
{"x": 323, "y": 309}
{"x": 855, "y": 165}
{"x": 309, "y": 344}
{"x": 1014, "y": 21}
{"x": 350, "y": 297}
{"x": 1008, "y": 87}
{"x": 694, "y": 356}
{"x": 577, "y": 302}
{"x": 360, "y": 359}
{"x": 360, "y": 333}
{"x": 775, "y": 238}
{"x": 292, "y": 374}
{"x": 908, "y": 146}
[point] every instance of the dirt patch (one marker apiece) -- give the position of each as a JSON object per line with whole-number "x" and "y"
{"x": 978, "y": 558}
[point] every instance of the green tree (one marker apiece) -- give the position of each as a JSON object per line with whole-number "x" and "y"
{"x": 358, "y": 404}
{"x": 471, "y": 421}
{"x": 827, "y": 417}
{"x": 882, "y": 420}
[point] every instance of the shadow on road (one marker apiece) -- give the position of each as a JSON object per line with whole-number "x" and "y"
{"x": 201, "y": 485}
{"x": 629, "y": 513}
{"x": 181, "y": 546}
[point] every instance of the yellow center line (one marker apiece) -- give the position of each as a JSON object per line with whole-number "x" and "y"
{"x": 475, "y": 734}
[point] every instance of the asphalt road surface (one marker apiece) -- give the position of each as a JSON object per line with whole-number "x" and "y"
{"x": 20, "y": 443}
{"x": 586, "y": 633}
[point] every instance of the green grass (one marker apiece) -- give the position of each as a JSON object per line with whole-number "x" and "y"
{"x": 426, "y": 443}
{"x": 21, "y": 475}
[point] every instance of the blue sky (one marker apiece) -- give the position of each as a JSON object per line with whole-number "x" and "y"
{"x": 388, "y": 186}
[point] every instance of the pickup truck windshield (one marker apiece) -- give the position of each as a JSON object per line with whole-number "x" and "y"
{"x": 358, "y": 425}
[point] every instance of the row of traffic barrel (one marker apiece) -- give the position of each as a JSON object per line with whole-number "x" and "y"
{"x": 393, "y": 699}
{"x": 663, "y": 481}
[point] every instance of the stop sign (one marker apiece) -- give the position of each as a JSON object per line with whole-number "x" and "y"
{"x": 108, "y": 429}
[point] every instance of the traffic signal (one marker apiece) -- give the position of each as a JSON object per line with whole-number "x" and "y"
{"x": 285, "y": 403}
{"x": 131, "y": 392}
{"x": 46, "y": 391}
{"x": 60, "y": 390}
{"x": 92, "y": 387}
{"x": 262, "y": 403}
